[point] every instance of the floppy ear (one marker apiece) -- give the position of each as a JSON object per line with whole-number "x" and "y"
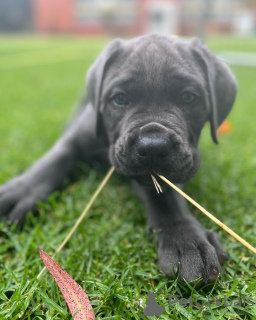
{"x": 95, "y": 77}
{"x": 221, "y": 85}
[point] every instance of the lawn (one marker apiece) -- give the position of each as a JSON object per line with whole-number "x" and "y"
{"x": 111, "y": 255}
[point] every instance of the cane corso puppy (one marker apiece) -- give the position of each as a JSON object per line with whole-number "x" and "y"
{"x": 146, "y": 102}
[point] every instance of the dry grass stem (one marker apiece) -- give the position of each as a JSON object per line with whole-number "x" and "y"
{"x": 79, "y": 220}
{"x": 157, "y": 185}
{"x": 209, "y": 215}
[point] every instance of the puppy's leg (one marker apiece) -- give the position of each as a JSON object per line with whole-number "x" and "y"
{"x": 21, "y": 194}
{"x": 184, "y": 245}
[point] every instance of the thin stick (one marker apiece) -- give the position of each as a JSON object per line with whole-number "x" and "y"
{"x": 153, "y": 178}
{"x": 209, "y": 215}
{"x": 108, "y": 175}
{"x": 157, "y": 185}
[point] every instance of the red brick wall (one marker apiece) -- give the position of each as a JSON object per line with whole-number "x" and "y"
{"x": 53, "y": 15}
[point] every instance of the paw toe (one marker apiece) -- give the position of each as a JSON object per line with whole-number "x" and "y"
{"x": 215, "y": 242}
{"x": 212, "y": 267}
{"x": 168, "y": 261}
{"x": 192, "y": 266}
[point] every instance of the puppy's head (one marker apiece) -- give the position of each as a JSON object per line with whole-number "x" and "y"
{"x": 153, "y": 95}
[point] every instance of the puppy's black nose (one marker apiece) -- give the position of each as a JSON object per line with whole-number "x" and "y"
{"x": 152, "y": 147}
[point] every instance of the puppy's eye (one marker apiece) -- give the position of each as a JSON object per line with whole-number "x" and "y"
{"x": 120, "y": 100}
{"x": 188, "y": 97}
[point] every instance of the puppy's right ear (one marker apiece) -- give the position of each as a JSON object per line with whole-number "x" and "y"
{"x": 95, "y": 78}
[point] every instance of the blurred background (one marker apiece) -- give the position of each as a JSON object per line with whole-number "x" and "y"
{"x": 129, "y": 17}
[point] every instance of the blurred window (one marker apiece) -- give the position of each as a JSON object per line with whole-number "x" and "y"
{"x": 102, "y": 11}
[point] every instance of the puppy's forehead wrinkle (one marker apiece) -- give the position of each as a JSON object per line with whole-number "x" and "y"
{"x": 152, "y": 64}
{"x": 158, "y": 70}
{"x": 148, "y": 58}
{"x": 113, "y": 81}
{"x": 155, "y": 65}
{"x": 170, "y": 124}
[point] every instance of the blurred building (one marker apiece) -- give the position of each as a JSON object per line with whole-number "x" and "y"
{"x": 15, "y": 15}
{"x": 130, "y": 17}
{"x": 100, "y": 16}
{"x": 121, "y": 17}
{"x": 218, "y": 16}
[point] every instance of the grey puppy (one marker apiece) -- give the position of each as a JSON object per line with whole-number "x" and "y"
{"x": 147, "y": 100}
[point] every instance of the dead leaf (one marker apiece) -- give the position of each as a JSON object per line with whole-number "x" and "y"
{"x": 77, "y": 300}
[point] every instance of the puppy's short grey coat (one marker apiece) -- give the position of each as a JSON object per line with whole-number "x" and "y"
{"x": 147, "y": 100}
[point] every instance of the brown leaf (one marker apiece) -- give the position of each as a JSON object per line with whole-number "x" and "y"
{"x": 77, "y": 300}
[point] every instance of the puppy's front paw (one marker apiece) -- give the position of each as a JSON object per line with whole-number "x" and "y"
{"x": 192, "y": 251}
{"x": 19, "y": 196}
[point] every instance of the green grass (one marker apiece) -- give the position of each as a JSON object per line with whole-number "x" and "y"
{"x": 111, "y": 255}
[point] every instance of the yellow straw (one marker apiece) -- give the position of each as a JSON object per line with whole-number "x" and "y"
{"x": 79, "y": 220}
{"x": 209, "y": 215}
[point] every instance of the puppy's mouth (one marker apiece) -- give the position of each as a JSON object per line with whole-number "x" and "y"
{"x": 178, "y": 168}
{"x": 145, "y": 180}
{"x": 176, "y": 176}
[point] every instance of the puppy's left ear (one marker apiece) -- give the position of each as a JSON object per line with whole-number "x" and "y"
{"x": 95, "y": 78}
{"x": 221, "y": 85}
